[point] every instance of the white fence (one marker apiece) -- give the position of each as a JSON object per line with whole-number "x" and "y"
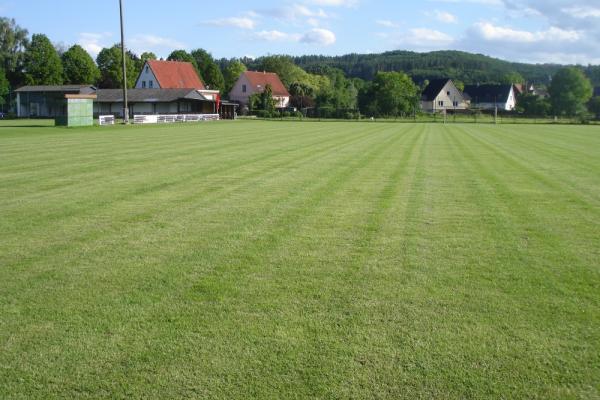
{"x": 170, "y": 119}
{"x": 106, "y": 119}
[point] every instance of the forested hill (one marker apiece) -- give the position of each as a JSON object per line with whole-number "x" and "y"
{"x": 467, "y": 67}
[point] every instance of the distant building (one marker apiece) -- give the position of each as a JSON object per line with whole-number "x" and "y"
{"x": 168, "y": 75}
{"x": 488, "y": 97}
{"x": 47, "y": 101}
{"x": 163, "y": 101}
{"x": 251, "y": 82}
{"x": 442, "y": 95}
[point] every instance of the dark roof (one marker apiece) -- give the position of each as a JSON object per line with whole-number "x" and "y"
{"x": 259, "y": 80}
{"x": 80, "y": 89}
{"x": 488, "y": 93}
{"x": 175, "y": 74}
{"x": 433, "y": 89}
{"x": 149, "y": 95}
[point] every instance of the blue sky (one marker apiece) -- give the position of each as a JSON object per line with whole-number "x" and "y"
{"x": 526, "y": 30}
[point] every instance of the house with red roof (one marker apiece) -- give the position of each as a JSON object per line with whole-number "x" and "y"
{"x": 252, "y": 82}
{"x": 168, "y": 75}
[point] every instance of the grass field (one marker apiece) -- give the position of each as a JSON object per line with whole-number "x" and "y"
{"x": 300, "y": 260}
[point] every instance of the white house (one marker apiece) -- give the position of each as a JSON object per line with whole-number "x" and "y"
{"x": 251, "y": 82}
{"x": 488, "y": 97}
{"x": 442, "y": 95}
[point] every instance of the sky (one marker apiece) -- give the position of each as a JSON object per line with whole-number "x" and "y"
{"x": 535, "y": 31}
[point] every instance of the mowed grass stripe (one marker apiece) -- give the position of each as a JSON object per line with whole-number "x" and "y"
{"x": 520, "y": 274}
{"x": 137, "y": 317}
{"x": 199, "y": 189}
{"x": 169, "y": 150}
{"x": 122, "y": 178}
{"x": 367, "y": 261}
{"x": 550, "y": 171}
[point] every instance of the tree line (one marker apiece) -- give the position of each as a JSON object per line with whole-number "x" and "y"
{"x": 378, "y": 85}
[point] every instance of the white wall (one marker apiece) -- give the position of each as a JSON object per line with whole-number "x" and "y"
{"x": 237, "y": 94}
{"x": 146, "y": 77}
{"x": 448, "y": 95}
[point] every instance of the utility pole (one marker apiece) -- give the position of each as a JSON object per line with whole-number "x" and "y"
{"x": 125, "y": 105}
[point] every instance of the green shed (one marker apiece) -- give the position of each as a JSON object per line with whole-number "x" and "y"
{"x": 79, "y": 110}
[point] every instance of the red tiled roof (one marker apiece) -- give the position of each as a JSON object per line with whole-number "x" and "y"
{"x": 259, "y": 80}
{"x": 176, "y": 75}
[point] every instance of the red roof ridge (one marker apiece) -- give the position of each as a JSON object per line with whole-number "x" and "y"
{"x": 263, "y": 78}
{"x": 175, "y": 74}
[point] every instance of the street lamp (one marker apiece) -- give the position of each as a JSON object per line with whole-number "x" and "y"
{"x": 125, "y": 105}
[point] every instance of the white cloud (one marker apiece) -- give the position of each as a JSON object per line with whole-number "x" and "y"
{"x": 160, "y": 45}
{"x": 492, "y": 32}
{"x": 582, "y": 12}
{"x": 93, "y": 43}
{"x": 423, "y": 39}
{"x": 387, "y": 23}
{"x": 335, "y": 3}
{"x": 236, "y": 22}
{"x": 445, "y": 17}
{"x": 322, "y": 37}
{"x": 274, "y": 36}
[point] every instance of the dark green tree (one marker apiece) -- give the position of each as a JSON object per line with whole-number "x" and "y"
{"x": 209, "y": 70}
{"x": 512, "y": 78}
{"x": 232, "y": 73}
{"x": 147, "y": 56}
{"x": 533, "y": 106}
{"x": 13, "y": 42}
{"x": 79, "y": 66}
{"x": 594, "y": 106}
{"x": 42, "y": 65}
{"x": 570, "y": 91}
{"x": 109, "y": 62}
{"x": 394, "y": 94}
{"x": 266, "y": 99}
{"x": 4, "y": 88}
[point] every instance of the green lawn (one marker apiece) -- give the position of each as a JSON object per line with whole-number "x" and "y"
{"x": 286, "y": 260}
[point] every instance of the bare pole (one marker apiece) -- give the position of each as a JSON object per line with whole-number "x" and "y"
{"x": 125, "y": 105}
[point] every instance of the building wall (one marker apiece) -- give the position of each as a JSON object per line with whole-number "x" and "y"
{"x": 508, "y": 104}
{"x": 146, "y": 77}
{"x": 237, "y": 94}
{"x": 183, "y": 107}
{"x": 41, "y": 105}
{"x": 445, "y": 100}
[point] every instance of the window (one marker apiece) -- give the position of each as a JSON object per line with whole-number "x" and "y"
{"x": 455, "y": 104}
{"x": 448, "y": 93}
{"x": 441, "y": 103}
{"x": 151, "y": 84}
{"x": 143, "y": 84}
{"x": 147, "y": 69}
{"x": 244, "y": 89}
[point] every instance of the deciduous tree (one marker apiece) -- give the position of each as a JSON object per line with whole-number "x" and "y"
{"x": 570, "y": 90}
{"x": 232, "y": 73}
{"x": 209, "y": 70}
{"x": 42, "y": 65}
{"x": 109, "y": 62}
{"x": 79, "y": 67}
